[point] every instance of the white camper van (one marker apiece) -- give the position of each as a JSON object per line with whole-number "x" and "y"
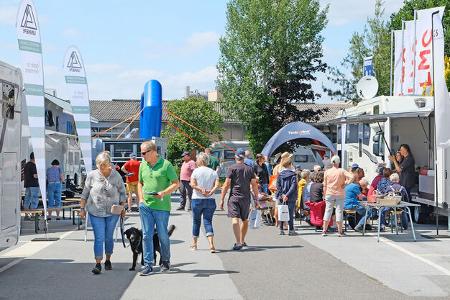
{"x": 397, "y": 120}
{"x": 10, "y": 166}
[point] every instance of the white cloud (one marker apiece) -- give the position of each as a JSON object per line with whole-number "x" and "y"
{"x": 71, "y": 33}
{"x": 8, "y": 15}
{"x": 200, "y": 40}
{"x": 342, "y": 12}
{"x": 102, "y": 68}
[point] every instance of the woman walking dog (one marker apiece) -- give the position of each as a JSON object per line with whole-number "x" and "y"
{"x": 103, "y": 198}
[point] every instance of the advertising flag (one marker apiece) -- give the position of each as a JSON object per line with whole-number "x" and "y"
{"x": 398, "y": 65}
{"x": 442, "y": 99}
{"x": 75, "y": 77}
{"x": 408, "y": 59}
{"x": 30, "y": 49}
{"x": 424, "y": 59}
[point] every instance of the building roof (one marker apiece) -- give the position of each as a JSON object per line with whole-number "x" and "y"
{"x": 117, "y": 110}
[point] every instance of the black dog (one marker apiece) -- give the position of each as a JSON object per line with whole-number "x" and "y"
{"x": 134, "y": 236}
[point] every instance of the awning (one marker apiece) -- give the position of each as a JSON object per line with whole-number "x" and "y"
{"x": 376, "y": 118}
{"x": 293, "y": 131}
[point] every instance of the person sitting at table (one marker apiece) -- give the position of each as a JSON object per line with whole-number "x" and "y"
{"x": 353, "y": 196}
{"x": 376, "y": 180}
{"x": 400, "y": 190}
{"x": 364, "y": 184}
{"x": 384, "y": 186}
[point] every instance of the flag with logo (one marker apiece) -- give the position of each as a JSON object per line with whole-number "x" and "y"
{"x": 424, "y": 61}
{"x": 408, "y": 58}
{"x": 30, "y": 49}
{"x": 398, "y": 65}
{"x": 75, "y": 77}
{"x": 442, "y": 99}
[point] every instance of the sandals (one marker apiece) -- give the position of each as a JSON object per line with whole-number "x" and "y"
{"x": 193, "y": 247}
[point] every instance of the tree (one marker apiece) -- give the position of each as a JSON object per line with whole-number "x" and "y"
{"x": 373, "y": 41}
{"x": 197, "y": 112}
{"x": 270, "y": 54}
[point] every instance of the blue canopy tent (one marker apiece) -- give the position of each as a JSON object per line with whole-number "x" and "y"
{"x": 293, "y": 131}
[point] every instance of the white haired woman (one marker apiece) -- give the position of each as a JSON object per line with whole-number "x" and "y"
{"x": 334, "y": 182}
{"x": 103, "y": 188}
{"x": 204, "y": 182}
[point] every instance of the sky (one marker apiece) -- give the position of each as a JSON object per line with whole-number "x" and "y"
{"x": 126, "y": 43}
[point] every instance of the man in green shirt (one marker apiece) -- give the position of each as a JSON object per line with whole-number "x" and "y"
{"x": 213, "y": 161}
{"x": 157, "y": 180}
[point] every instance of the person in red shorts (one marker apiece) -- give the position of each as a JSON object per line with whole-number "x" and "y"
{"x": 131, "y": 170}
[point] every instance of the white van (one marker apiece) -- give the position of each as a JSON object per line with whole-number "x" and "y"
{"x": 304, "y": 157}
{"x": 10, "y": 165}
{"x": 224, "y": 152}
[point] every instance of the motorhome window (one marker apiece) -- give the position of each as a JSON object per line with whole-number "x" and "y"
{"x": 301, "y": 158}
{"x": 216, "y": 154}
{"x": 8, "y": 99}
{"x": 366, "y": 134}
{"x": 228, "y": 154}
{"x": 77, "y": 158}
{"x": 57, "y": 123}
{"x": 122, "y": 150}
{"x": 376, "y": 110}
{"x": 70, "y": 158}
{"x": 352, "y": 133}
{"x": 49, "y": 118}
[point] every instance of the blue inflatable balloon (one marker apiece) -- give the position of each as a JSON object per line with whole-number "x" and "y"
{"x": 151, "y": 107}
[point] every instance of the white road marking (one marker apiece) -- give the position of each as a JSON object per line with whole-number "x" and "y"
{"x": 416, "y": 256}
{"x": 26, "y": 250}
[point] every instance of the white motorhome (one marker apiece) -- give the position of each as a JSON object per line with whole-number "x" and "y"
{"x": 224, "y": 151}
{"x": 10, "y": 153}
{"x": 376, "y": 125}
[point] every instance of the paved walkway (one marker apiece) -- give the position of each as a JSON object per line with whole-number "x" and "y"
{"x": 306, "y": 266}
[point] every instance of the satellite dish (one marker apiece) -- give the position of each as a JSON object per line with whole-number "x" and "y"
{"x": 367, "y": 87}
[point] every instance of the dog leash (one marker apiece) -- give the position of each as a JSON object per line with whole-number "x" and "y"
{"x": 122, "y": 231}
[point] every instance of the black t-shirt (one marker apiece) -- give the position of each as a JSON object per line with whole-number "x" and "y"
{"x": 29, "y": 171}
{"x": 241, "y": 175}
{"x": 262, "y": 173}
{"x": 316, "y": 192}
{"x": 408, "y": 174}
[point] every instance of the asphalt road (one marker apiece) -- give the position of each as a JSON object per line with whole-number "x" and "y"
{"x": 273, "y": 267}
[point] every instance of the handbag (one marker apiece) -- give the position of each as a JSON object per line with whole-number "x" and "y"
{"x": 255, "y": 218}
{"x": 283, "y": 213}
{"x": 116, "y": 209}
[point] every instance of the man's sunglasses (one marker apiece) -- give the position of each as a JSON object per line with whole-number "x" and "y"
{"x": 143, "y": 153}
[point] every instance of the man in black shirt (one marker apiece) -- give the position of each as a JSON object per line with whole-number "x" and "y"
{"x": 31, "y": 184}
{"x": 406, "y": 168}
{"x": 239, "y": 177}
{"x": 262, "y": 174}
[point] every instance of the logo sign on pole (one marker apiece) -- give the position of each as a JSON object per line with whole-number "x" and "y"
{"x": 424, "y": 60}
{"x": 75, "y": 77}
{"x": 398, "y": 65}
{"x": 30, "y": 49}
{"x": 368, "y": 67}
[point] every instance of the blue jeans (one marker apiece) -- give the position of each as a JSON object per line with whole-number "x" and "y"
{"x": 265, "y": 188}
{"x": 54, "y": 194}
{"x": 361, "y": 210}
{"x": 205, "y": 207}
{"x": 150, "y": 218}
{"x": 103, "y": 234}
{"x": 404, "y": 217}
{"x": 291, "y": 207}
{"x": 31, "y": 197}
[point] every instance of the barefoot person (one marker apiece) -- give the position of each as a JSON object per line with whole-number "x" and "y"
{"x": 238, "y": 180}
{"x": 204, "y": 182}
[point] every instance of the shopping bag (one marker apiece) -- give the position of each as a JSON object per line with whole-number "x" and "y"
{"x": 283, "y": 213}
{"x": 255, "y": 218}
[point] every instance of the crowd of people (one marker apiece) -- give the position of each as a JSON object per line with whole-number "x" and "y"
{"x": 318, "y": 196}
